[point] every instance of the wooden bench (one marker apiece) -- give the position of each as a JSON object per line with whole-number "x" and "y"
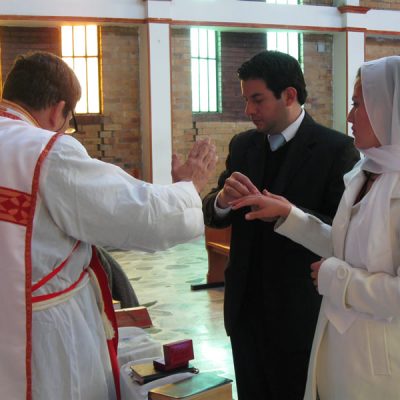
{"x": 217, "y": 246}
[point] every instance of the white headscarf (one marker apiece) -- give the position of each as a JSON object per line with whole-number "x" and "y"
{"x": 380, "y": 81}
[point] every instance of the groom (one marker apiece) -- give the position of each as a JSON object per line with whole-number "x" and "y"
{"x": 271, "y": 306}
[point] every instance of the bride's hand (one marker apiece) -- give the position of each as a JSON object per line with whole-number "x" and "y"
{"x": 265, "y": 206}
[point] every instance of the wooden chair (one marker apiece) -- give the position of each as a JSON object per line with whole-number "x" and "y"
{"x": 217, "y": 245}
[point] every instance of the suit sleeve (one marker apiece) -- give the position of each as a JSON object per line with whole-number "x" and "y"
{"x": 308, "y": 231}
{"x": 346, "y": 156}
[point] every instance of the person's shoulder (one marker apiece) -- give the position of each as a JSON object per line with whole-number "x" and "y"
{"x": 245, "y": 136}
{"x": 35, "y": 132}
{"x": 334, "y": 135}
{"x": 46, "y": 135}
{"x": 67, "y": 144}
{"x": 327, "y": 134}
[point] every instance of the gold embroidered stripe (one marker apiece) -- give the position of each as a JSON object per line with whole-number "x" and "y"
{"x": 14, "y": 206}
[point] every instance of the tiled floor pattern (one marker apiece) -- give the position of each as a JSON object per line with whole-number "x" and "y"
{"x": 162, "y": 282}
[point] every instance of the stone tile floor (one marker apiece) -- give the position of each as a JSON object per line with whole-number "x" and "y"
{"x": 162, "y": 282}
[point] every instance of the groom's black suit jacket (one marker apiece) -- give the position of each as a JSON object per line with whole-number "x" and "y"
{"x": 309, "y": 175}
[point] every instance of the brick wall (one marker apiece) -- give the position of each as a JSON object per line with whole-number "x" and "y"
{"x": 184, "y": 132}
{"x": 236, "y": 48}
{"x": 377, "y": 47}
{"x": 318, "y": 76}
{"x": 120, "y": 141}
{"x": 381, "y": 4}
{"x": 113, "y": 136}
{"x": 18, "y": 40}
{"x": 186, "y": 127}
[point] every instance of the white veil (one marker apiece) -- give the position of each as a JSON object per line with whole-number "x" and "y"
{"x": 380, "y": 81}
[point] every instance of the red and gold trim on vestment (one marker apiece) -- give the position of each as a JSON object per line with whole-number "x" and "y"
{"x": 14, "y": 206}
{"x": 28, "y": 262}
{"x": 19, "y": 208}
{"x": 12, "y": 110}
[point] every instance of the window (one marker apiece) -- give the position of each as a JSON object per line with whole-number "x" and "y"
{"x": 205, "y": 83}
{"x": 286, "y": 42}
{"x": 80, "y": 51}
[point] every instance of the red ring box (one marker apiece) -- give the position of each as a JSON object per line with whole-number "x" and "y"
{"x": 176, "y": 355}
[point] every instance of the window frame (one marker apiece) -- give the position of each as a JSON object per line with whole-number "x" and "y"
{"x": 300, "y": 46}
{"x": 86, "y": 57}
{"x": 217, "y": 71}
{"x": 300, "y": 43}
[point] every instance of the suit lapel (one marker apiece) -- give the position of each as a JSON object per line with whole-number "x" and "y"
{"x": 255, "y": 158}
{"x": 297, "y": 154}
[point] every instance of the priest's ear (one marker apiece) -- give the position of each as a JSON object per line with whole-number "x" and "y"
{"x": 52, "y": 117}
{"x": 57, "y": 118}
{"x": 290, "y": 95}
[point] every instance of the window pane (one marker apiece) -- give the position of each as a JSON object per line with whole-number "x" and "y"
{"x": 293, "y": 39}
{"x": 93, "y": 85}
{"x": 80, "y": 71}
{"x": 194, "y": 42}
{"x": 211, "y": 44}
{"x": 91, "y": 40}
{"x": 79, "y": 41}
{"x": 195, "y": 85}
{"x": 203, "y": 85}
{"x": 69, "y": 61}
{"x": 286, "y": 42}
{"x": 212, "y": 85}
{"x": 204, "y": 70}
{"x": 271, "y": 40}
{"x": 66, "y": 41}
{"x": 203, "y": 48}
{"x": 282, "y": 44}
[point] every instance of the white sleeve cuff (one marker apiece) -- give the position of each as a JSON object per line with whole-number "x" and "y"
{"x": 307, "y": 230}
{"x": 333, "y": 279}
{"x": 221, "y": 212}
{"x": 293, "y": 224}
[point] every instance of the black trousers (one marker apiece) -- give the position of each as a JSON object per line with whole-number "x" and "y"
{"x": 265, "y": 368}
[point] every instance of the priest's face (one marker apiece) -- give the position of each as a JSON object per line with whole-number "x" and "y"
{"x": 267, "y": 113}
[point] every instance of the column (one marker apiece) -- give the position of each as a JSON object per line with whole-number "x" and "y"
{"x": 348, "y": 55}
{"x": 155, "y": 91}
